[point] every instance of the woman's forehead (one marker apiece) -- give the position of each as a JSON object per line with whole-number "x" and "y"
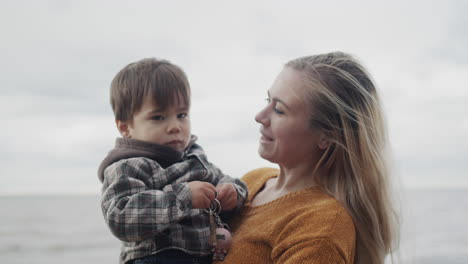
{"x": 289, "y": 87}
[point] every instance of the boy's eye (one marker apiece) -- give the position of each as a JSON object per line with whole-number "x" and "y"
{"x": 157, "y": 117}
{"x": 182, "y": 115}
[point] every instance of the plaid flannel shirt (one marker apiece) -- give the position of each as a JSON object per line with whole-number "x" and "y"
{"x": 149, "y": 207}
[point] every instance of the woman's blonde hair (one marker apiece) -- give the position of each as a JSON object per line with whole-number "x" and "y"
{"x": 345, "y": 106}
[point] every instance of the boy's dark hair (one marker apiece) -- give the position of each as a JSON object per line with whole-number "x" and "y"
{"x": 160, "y": 79}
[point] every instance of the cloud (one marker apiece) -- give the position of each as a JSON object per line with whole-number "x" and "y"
{"x": 426, "y": 121}
{"x": 454, "y": 39}
{"x": 58, "y": 58}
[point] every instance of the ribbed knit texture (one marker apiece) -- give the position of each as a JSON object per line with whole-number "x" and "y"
{"x": 307, "y": 226}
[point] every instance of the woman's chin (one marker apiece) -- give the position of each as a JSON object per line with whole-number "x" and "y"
{"x": 264, "y": 154}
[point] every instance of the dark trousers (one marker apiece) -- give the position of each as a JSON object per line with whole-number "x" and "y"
{"x": 173, "y": 256}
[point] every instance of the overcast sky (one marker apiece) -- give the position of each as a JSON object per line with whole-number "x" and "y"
{"x": 58, "y": 58}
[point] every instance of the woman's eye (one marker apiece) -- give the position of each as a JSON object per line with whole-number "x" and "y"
{"x": 278, "y": 111}
{"x": 158, "y": 117}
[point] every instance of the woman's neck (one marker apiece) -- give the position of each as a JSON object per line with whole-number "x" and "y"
{"x": 291, "y": 179}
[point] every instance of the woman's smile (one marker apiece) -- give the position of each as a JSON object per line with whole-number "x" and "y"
{"x": 264, "y": 138}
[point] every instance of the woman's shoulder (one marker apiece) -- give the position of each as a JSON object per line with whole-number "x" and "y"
{"x": 325, "y": 218}
{"x": 255, "y": 179}
{"x": 321, "y": 209}
{"x": 260, "y": 175}
{"x": 314, "y": 203}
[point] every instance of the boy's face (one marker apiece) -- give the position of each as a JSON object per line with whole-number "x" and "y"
{"x": 170, "y": 127}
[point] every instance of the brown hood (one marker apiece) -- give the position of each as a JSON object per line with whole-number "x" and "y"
{"x": 126, "y": 148}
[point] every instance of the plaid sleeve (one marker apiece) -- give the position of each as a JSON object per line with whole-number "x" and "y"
{"x": 219, "y": 177}
{"x": 135, "y": 211}
{"x": 240, "y": 186}
{"x": 216, "y": 176}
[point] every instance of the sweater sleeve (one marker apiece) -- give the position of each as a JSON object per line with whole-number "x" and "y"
{"x": 316, "y": 251}
{"x": 315, "y": 236}
{"x": 132, "y": 209}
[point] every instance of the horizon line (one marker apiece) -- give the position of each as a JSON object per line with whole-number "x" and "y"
{"x": 88, "y": 193}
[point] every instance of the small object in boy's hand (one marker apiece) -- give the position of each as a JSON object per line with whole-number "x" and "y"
{"x": 223, "y": 243}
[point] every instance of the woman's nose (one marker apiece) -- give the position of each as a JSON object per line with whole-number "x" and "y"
{"x": 262, "y": 117}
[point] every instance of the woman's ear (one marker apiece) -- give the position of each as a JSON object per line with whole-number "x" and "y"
{"x": 323, "y": 142}
{"x": 123, "y": 128}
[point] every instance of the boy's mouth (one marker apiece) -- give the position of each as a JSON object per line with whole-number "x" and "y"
{"x": 176, "y": 142}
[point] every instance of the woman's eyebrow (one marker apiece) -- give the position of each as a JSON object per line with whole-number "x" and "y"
{"x": 276, "y": 99}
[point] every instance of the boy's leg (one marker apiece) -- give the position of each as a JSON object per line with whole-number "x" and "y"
{"x": 173, "y": 256}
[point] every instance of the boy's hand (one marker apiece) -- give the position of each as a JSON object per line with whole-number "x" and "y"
{"x": 203, "y": 193}
{"x": 227, "y": 196}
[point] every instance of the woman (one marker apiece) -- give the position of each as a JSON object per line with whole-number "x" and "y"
{"x": 329, "y": 202}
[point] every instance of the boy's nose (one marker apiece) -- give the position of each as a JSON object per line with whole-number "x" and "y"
{"x": 174, "y": 127}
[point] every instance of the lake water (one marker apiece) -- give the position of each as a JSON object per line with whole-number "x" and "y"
{"x": 70, "y": 229}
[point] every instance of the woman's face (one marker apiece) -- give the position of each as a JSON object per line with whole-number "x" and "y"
{"x": 286, "y": 137}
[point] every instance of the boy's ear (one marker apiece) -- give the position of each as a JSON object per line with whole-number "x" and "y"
{"x": 323, "y": 142}
{"x": 123, "y": 128}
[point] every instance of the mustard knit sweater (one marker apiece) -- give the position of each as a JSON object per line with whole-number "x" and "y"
{"x": 307, "y": 226}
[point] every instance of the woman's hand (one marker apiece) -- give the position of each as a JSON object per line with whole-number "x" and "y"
{"x": 227, "y": 196}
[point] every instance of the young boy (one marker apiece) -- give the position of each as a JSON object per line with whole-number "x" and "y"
{"x": 157, "y": 180}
